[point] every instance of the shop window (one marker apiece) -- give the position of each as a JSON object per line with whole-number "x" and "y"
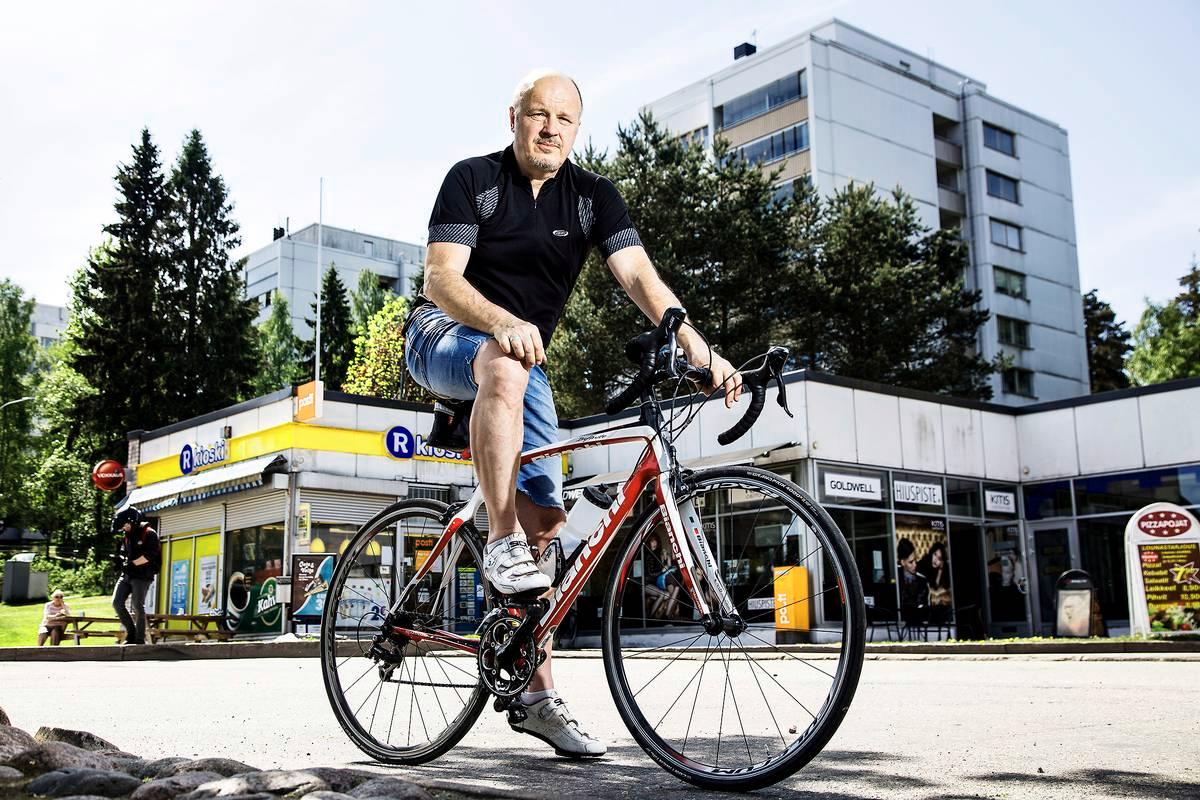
{"x": 870, "y": 539}
{"x": 1102, "y": 556}
{"x": 1007, "y": 578}
{"x": 922, "y": 570}
{"x": 850, "y": 486}
{"x": 1131, "y": 491}
{"x": 253, "y": 560}
{"x": 962, "y": 498}
{"x": 912, "y": 492}
{"x": 1047, "y": 500}
{"x": 330, "y": 538}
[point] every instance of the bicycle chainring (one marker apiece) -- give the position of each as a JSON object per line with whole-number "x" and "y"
{"x": 505, "y": 681}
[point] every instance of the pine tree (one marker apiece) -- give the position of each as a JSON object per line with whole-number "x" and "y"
{"x": 117, "y": 309}
{"x": 214, "y": 350}
{"x": 367, "y": 299}
{"x": 279, "y": 347}
{"x": 18, "y": 351}
{"x": 1107, "y": 344}
{"x": 1166, "y": 342}
{"x": 337, "y": 335}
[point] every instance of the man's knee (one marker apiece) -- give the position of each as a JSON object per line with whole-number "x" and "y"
{"x": 503, "y": 378}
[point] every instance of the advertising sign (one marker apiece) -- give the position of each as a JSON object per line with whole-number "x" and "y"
{"x": 363, "y": 602}
{"x": 999, "y": 502}
{"x": 311, "y": 573}
{"x": 856, "y": 486}
{"x": 304, "y": 525}
{"x": 253, "y": 607}
{"x": 108, "y": 475}
{"x": 923, "y": 569}
{"x": 197, "y": 456}
{"x": 1162, "y": 551}
{"x": 310, "y": 399}
{"x": 180, "y": 573}
{"x": 400, "y": 443}
{"x": 927, "y": 494}
{"x": 791, "y": 598}
{"x": 208, "y": 586}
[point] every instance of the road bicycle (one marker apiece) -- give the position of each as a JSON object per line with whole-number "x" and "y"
{"x": 414, "y": 642}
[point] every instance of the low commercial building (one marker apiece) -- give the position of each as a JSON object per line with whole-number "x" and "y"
{"x": 1008, "y": 498}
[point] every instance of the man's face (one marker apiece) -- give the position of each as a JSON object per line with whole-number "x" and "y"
{"x": 910, "y": 564}
{"x": 127, "y": 527}
{"x": 545, "y": 125}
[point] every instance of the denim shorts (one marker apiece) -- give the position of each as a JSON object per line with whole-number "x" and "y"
{"x": 440, "y": 354}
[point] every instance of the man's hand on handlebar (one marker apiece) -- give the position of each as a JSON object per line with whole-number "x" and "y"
{"x": 723, "y": 373}
{"x": 522, "y": 340}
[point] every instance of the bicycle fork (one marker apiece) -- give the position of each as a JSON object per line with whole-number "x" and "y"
{"x": 696, "y": 560}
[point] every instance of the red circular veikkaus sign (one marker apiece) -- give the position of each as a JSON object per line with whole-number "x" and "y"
{"x": 108, "y": 475}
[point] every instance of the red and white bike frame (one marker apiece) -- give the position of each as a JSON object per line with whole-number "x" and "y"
{"x": 684, "y": 529}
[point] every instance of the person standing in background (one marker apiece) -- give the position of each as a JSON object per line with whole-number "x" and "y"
{"x": 141, "y": 557}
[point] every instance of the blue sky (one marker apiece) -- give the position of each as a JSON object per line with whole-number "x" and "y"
{"x": 380, "y": 98}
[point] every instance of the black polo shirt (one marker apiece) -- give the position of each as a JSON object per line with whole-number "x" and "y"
{"x": 526, "y": 254}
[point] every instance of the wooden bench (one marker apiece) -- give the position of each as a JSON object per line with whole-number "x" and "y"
{"x": 200, "y": 627}
{"x": 80, "y": 627}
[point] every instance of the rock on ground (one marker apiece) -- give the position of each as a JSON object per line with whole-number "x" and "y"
{"x": 167, "y": 788}
{"x": 276, "y": 781}
{"x": 222, "y": 766}
{"x": 81, "y": 739}
{"x": 13, "y": 741}
{"x": 66, "y": 782}
{"x": 391, "y": 787}
{"x": 150, "y": 769}
{"x": 4, "y": 718}
{"x": 10, "y": 775}
{"x": 341, "y": 780}
{"x": 327, "y": 796}
{"x": 51, "y": 756}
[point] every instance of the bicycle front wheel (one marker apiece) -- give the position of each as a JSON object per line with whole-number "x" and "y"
{"x": 737, "y": 709}
{"x": 404, "y": 702}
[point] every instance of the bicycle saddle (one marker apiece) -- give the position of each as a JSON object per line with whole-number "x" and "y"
{"x": 451, "y": 425}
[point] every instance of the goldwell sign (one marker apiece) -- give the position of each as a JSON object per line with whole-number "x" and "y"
{"x": 1162, "y": 551}
{"x": 855, "y": 486}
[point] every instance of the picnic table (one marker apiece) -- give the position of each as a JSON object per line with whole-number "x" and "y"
{"x": 200, "y": 627}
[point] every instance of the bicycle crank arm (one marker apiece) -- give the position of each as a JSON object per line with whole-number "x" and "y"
{"x": 507, "y": 653}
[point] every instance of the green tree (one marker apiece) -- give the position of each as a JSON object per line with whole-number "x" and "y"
{"x": 337, "y": 334}
{"x": 116, "y": 308}
{"x": 214, "y": 356}
{"x": 1107, "y": 344}
{"x": 1166, "y": 341}
{"x": 891, "y": 299}
{"x": 378, "y": 368}
{"x": 279, "y": 347}
{"x": 366, "y": 300}
{"x": 18, "y": 352}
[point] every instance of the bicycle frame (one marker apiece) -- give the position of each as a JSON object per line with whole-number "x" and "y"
{"x": 684, "y": 530}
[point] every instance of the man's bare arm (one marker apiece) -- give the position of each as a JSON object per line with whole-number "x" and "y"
{"x": 446, "y": 286}
{"x": 632, "y": 268}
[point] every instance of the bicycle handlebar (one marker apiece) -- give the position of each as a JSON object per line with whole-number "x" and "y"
{"x": 654, "y": 353}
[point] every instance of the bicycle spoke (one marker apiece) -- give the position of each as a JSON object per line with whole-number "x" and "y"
{"x": 700, "y": 682}
{"x": 644, "y": 653}
{"x": 826, "y": 590}
{"x": 789, "y": 655}
{"x": 737, "y": 709}
{"x": 392, "y": 721}
{"x": 433, "y": 689}
{"x": 681, "y": 691}
{"x": 664, "y": 669}
{"x": 754, "y": 663}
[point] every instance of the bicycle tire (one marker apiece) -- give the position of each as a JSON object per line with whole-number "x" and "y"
{"x": 800, "y": 503}
{"x": 420, "y": 754}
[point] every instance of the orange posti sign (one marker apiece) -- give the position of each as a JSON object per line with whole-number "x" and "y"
{"x": 309, "y": 401}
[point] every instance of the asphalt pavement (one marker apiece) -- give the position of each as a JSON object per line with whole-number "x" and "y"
{"x": 970, "y": 727}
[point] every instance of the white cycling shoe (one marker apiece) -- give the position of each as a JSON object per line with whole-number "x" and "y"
{"x": 510, "y": 568}
{"x": 550, "y": 721}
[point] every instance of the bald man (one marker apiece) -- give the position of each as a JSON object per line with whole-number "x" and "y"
{"x": 507, "y": 238}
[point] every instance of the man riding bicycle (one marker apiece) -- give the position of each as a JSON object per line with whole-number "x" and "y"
{"x": 508, "y": 237}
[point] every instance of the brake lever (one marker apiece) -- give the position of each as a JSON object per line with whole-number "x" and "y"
{"x": 776, "y": 358}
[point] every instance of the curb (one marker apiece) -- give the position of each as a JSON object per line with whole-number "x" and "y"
{"x": 310, "y": 649}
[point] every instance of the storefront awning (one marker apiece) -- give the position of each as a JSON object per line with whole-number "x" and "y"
{"x": 720, "y": 459}
{"x": 192, "y": 488}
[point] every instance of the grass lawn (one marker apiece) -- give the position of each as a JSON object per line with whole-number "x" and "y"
{"x": 19, "y": 624}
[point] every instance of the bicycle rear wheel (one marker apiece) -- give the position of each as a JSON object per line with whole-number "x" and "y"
{"x": 744, "y": 709}
{"x": 404, "y": 703}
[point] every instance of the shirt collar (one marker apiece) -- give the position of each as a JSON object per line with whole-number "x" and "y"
{"x": 509, "y": 163}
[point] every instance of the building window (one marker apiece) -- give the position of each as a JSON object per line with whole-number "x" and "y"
{"x": 1002, "y": 186}
{"x": 760, "y": 101}
{"x": 1018, "y": 381}
{"x": 776, "y": 146}
{"x": 696, "y": 137}
{"x": 266, "y": 300}
{"x": 439, "y": 493}
{"x": 1013, "y": 331}
{"x": 1000, "y": 140}
{"x": 1009, "y": 282}
{"x": 1006, "y": 235}
{"x": 785, "y": 191}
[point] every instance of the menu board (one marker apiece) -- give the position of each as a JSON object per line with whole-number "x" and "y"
{"x": 1171, "y": 576}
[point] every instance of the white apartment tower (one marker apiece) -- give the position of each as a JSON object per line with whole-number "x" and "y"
{"x": 837, "y": 105}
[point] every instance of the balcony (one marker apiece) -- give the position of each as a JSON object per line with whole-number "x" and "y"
{"x": 950, "y": 200}
{"x": 947, "y": 152}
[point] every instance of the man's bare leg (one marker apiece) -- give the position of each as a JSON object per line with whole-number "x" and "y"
{"x": 497, "y": 430}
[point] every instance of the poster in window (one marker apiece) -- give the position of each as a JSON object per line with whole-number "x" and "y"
{"x": 923, "y": 570}
{"x": 1007, "y": 583}
{"x": 208, "y": 586}
{"x": 310, "y": 585}
{"x": 180, "y": 573}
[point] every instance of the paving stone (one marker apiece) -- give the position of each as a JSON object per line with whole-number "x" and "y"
{"x": 222, "y": 766}
{"x": 388, "y": 786}
{"x": 49, "y": 756}
{"x": 341, "y": 780}
{"x": 65, "y": 782}
{"x": 166, "y": 788}
{"x": 150, "y": 769}
{"x": 13, "y": 741}
{"x": 81, "y": 739}
{"x": 276, "y": 781}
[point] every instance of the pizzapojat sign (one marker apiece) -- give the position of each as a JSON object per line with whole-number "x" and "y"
{"x": 1162, "y": 551}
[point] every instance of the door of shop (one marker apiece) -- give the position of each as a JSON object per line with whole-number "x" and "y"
{"x": 1053, "y": 545}
{"x": 966, "y": 576}
{"x": 1007, "y": 579}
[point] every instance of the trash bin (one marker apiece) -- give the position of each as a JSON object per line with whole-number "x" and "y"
{"x": 1073, "y": 593}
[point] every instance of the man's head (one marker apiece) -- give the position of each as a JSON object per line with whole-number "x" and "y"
{"x": 544, "y": 117}
{"x": 126, "y": 520}
{"x": 906, "y": 554}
